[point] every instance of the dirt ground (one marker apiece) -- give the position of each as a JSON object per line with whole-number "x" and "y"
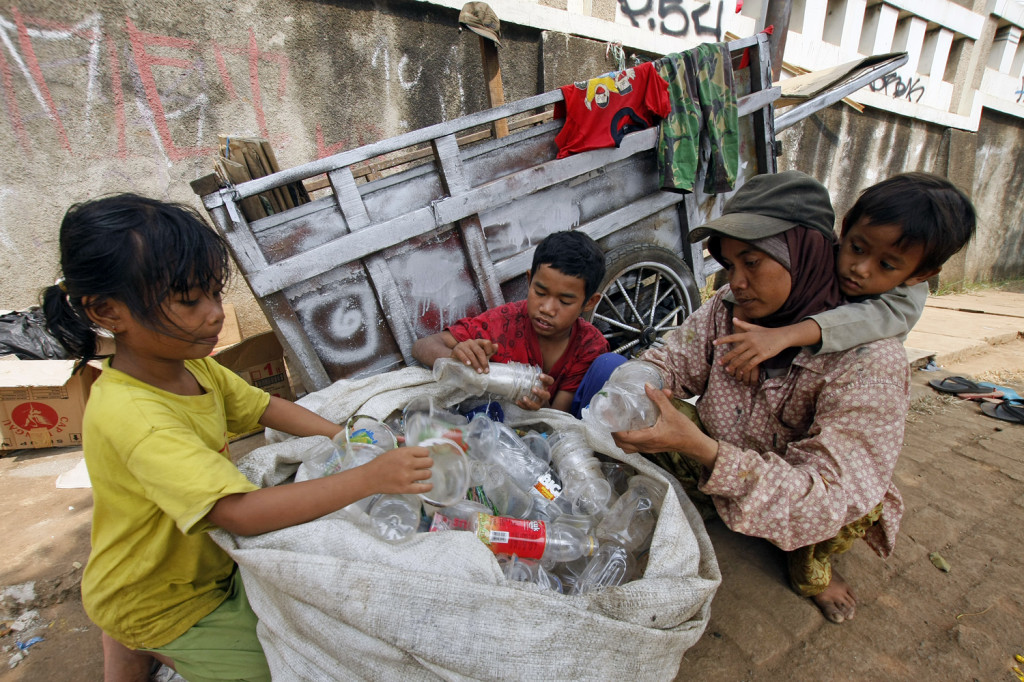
{"x": 961, "y": 475}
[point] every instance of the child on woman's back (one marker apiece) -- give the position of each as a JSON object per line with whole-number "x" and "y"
{"x": 155, "y": 442}
{"x": 896, "y": 236}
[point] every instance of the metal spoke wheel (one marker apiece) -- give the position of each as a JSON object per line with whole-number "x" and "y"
{"x": 647, "y": 292}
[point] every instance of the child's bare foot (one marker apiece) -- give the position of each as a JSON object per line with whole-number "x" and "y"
{"x": 837, "y": 602}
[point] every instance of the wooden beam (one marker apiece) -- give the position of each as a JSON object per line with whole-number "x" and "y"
{"x": 495, "y": 90}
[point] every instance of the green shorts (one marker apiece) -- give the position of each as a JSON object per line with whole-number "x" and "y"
{"x": 222, "y": 645}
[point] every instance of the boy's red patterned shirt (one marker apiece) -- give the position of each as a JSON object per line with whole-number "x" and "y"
{"x": 509, "y": 326}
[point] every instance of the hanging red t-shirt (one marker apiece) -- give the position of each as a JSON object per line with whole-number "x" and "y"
{"x": 509, "y": 326}
{"x": 599, "y": 112}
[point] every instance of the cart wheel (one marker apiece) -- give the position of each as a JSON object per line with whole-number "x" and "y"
{"x": 647, "y": 291}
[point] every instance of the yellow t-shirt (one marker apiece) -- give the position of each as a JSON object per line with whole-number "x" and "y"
{"x": 158, "y": 463}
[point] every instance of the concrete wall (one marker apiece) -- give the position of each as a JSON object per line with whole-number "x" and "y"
{"x": 848, "y": 151}
{"x": 102, "y": 96}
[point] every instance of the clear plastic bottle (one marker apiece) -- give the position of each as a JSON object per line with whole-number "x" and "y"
{"x": 458, "y": 516}
{"x": 510, "y": 380}
{"x": 622, "y": 404}
{"x": 527, "y": 571}
{"x": 525, "y": 468}
{"x": 449, "y": 474}
{"x": 585, "y": 484}
{"x": 497, "y": 445}
{"x": 395, "y": 517}
{"x": 508, "y": 498}
{"x": 554, "y": 543}
{"x": 611, "y": 565}
{"x": 630, "y": 522}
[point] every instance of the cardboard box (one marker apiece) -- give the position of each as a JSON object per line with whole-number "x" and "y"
{"x": 260, "y": 361}
{"x": 42, "y": 402}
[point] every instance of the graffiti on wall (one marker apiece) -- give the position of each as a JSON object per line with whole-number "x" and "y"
{"x": 892, "y": 84}
{"x": 1020, "y": 93}
{"x": 157, "y": 84}
{"x": 676, "y": 18}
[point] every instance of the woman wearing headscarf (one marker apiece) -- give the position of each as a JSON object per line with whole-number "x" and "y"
{"x": 805, "y": 457}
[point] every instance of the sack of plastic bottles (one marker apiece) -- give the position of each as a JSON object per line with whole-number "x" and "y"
{"x": 345, "y": 602}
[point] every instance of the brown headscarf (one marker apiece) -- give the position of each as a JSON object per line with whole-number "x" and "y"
{"x": 814, "y": 288}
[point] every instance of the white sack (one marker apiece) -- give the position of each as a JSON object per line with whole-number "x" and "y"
{"x": 337, "y": 602}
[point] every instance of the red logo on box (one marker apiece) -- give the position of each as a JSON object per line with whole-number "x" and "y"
{"x": 31, "y": 415}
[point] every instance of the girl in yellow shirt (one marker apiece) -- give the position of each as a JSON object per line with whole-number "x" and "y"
{"x": 155, "y": 441}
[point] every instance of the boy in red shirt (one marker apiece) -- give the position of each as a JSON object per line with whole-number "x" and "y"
{"x": 544, "y": 330}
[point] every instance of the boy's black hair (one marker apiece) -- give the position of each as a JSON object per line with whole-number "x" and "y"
{"x": 572, "y": 253}
{"x": 929, "y": 209}
{"x": 135, "y": 250}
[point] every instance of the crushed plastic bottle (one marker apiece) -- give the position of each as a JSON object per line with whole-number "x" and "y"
{"x": 527, "y": 571}
{"x": 510, "y": 380}
{"x": 497, "y": 445}
{"x": 508, "y": 498}
{"x": 610, "y": 566}
{"x": 630, "y": 522}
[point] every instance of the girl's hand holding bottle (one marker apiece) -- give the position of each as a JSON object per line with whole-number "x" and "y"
{"x": 400, "y": 471}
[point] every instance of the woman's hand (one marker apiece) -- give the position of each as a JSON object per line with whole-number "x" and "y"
{"x": 539, "y": 397}
{"x": 400, "y": 471}
{"x": 673, "y": 432}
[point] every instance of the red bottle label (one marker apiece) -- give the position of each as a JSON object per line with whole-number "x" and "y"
{"x": 522, "y": 537}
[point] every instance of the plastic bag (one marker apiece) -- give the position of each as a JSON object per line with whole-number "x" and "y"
{"x": 23, "y": 333}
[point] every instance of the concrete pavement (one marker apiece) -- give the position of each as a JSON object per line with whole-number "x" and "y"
{"x": 955, "y": 326}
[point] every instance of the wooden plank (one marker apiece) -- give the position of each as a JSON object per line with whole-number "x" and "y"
{"x": 346, "y": 196}
{"x": 397, "y": 316}
{"x": 234, "y": 174}
{"x": 692, "y": 221}
{"x": 366, "y": 170}
{"x": 495, "y": 90}
{"x": 489, "y": 147}
{"x": 454, "y": 182}
{"x": 504, "y": 190}
{"x": 393, "y": 144}
{"x": 278, "y": 311}
{"x": 229, "y": 220}
{"x": 448, "y": 211}
{"x": 453, "y": 178}
{"x": 601, "y": 227}
{"x": 289, "y": 330}
{"x": 802, "y": 111}
{"x": 206, "y": 184}
{"x": 763, "y": 119}
{"x": 345, "y": 249}
{"x": 757, "y": 100}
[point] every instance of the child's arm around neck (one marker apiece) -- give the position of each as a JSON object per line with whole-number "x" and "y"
{"x": 891, "y": 314}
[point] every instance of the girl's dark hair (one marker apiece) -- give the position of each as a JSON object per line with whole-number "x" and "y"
{"x": 132, "y": 249}
{"x": 929, "y": 209}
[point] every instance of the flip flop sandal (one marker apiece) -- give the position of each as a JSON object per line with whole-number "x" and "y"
{"x": 992, "y": 396}
{"x": 959, "y": 384}
{"x": 1009, "y": 412}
